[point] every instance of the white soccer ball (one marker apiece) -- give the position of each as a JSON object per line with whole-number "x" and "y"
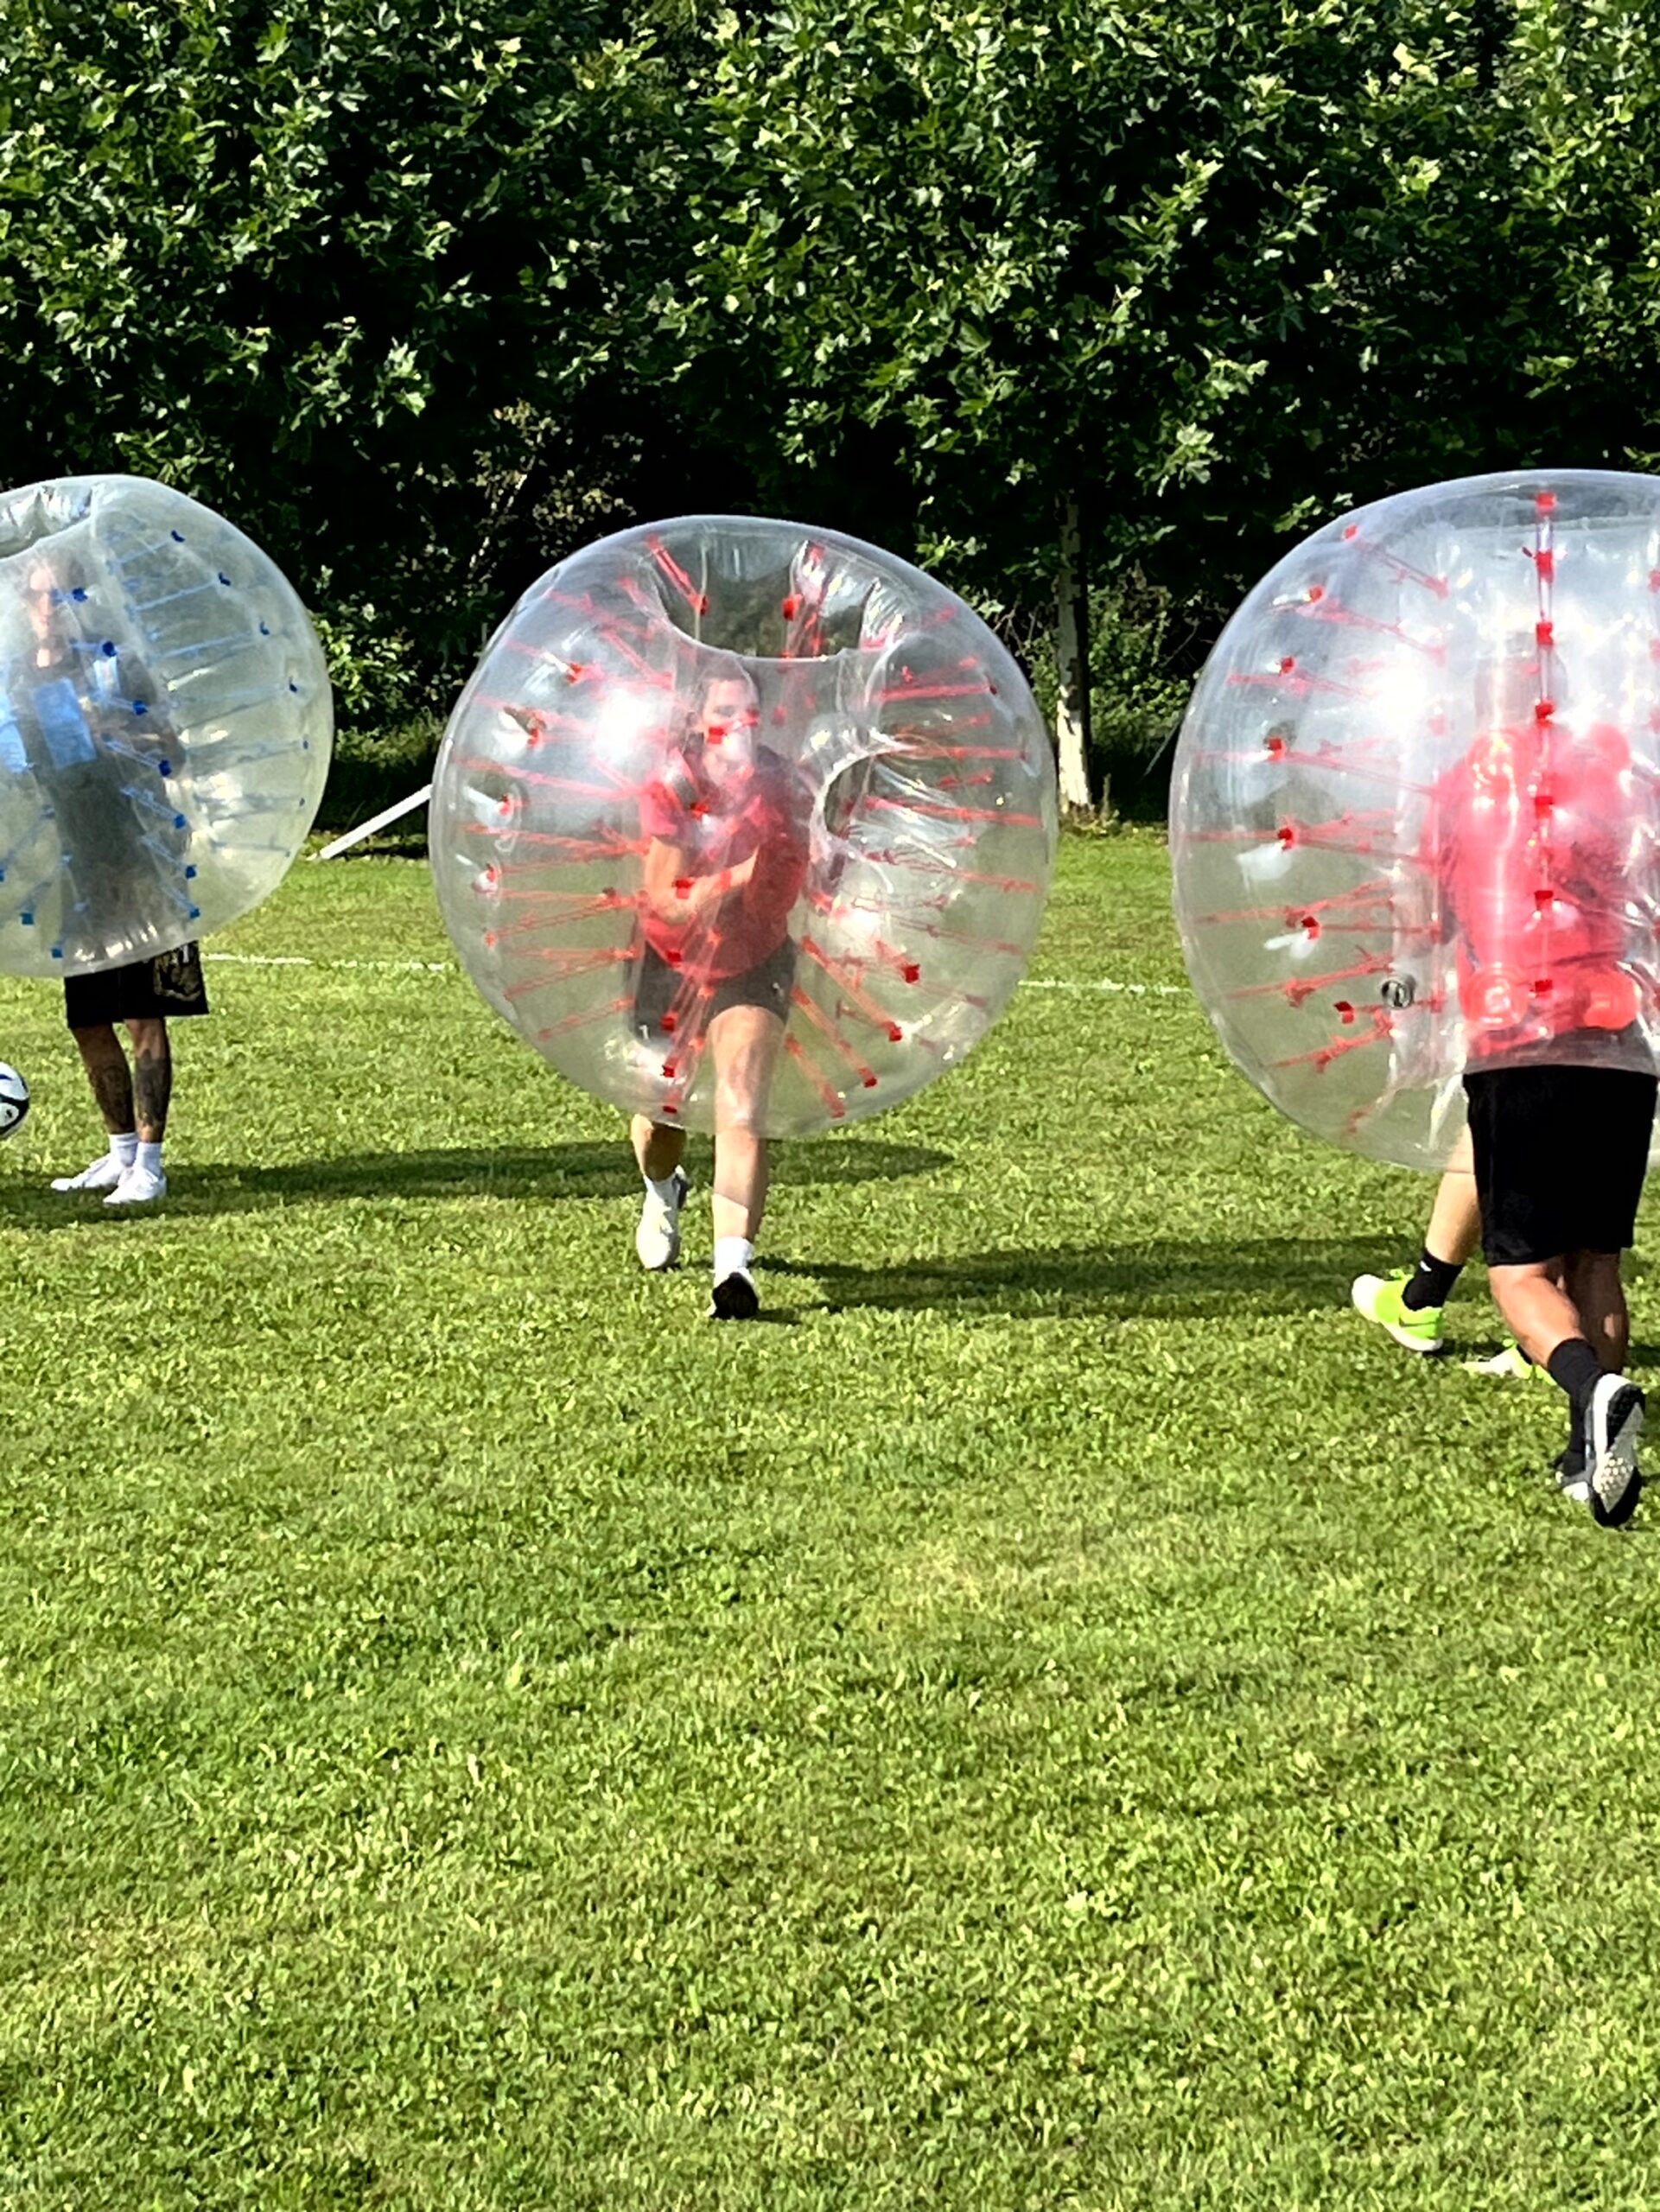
{"x": 14, "y": 1100}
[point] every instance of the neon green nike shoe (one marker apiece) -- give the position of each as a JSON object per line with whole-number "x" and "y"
{"x": 1510, "y": 1363}
{"x": 1378, "y": 1297}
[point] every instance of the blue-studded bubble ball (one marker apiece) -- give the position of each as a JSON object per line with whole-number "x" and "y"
{"x": 165, "y": 724}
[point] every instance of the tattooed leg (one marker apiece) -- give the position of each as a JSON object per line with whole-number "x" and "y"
{"x": 106, "y": 1071}
{"x": 152, "y": 1077}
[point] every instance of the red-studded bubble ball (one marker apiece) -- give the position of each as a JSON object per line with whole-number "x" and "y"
{"x": 725, "y": 763}
{"x": 165, "y": 724}
{"x": 1416, "y": 813}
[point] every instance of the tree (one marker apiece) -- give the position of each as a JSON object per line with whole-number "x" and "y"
{"x": 311, "y": 261}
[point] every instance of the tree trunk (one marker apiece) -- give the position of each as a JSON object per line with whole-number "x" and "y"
{"x": 1077, "y": 795}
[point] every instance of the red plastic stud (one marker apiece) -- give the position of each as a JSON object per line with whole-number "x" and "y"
{"x": 1544, "y": 711}
{"x": 1545, "y": 634}
{"x": 1546, "y": 503}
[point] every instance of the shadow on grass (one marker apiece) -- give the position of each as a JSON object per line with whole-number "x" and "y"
{"x": 510, "y": 1171}
{"x": 1188, "y": 1280}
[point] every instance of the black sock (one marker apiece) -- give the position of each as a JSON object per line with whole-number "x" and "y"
{"x": 1431, "y": 1282}
{"x": 1573, "y": 1367}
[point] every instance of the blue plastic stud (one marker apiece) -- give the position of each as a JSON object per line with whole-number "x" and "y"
{"x": 178, "y": 537}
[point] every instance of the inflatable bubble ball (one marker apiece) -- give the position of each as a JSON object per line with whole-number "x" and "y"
{"x": 723, "y": 762}
{"x": 165, "y": 724}
{"x": 1416, "y": 814}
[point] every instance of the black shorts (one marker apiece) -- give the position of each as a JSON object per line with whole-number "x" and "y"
{"x": 169, "y": 985}
{"x": 1560, "y": 1155}
{"x": 766, "y": 984}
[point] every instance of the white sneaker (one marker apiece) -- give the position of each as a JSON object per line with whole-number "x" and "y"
{"x": 656, "y": 1240}
{"x": 103, "y": 1175}
{"x": 1616, "y": 1424}
{"x": 137, "y": 1188}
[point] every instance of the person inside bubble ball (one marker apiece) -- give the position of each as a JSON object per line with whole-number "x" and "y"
{"x": 68, "y": 693}
{"x": 725, "y": 864}
{"x": 1527, "y": 841}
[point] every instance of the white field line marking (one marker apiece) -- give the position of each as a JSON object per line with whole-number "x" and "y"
{"x": 303, "y": 960}
{"x": 452, "y": 968}
{"x": 1132, "y": 990}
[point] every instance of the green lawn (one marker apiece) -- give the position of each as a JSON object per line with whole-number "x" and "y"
{"x": 1060, "y": 1716}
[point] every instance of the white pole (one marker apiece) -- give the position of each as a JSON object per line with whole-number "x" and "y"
{"x": 377, "y": 822}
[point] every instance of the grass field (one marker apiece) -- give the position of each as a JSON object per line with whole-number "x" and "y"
{"x": 1058, "y": 1715}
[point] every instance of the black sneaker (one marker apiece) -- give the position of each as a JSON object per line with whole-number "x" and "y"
{"x": 736, "y": 1299}
{"x": 1616, "y": 1424}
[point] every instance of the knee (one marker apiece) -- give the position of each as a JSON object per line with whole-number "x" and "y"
{"x": 149, "y": 1039}
{"x": 741, "y": 1099}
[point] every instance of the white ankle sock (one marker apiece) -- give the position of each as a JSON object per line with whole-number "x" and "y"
{"x": 734, "y": 1255}
{"x": 123, "y": 1147}
{"x": 149, "y": 1157}
{"x": 664, "y": 1191}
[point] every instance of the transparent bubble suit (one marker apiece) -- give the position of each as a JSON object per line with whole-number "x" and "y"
{"x": 1415, "y": 810}
{"x": 816, "y": 756}
{"x": 165, "y": 724}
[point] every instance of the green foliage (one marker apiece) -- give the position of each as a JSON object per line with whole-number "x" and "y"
{"x": 376, "y": 672}
{"x": 373, "y": 769}
{"x": 424, "y": 293}
{"x": 1211, "y": 266}
{"x": 1139, "y": 686}
{"x": 1066, "y": 1717}
{"x": 299, "y": 260}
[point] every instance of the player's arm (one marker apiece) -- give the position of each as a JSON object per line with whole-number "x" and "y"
{"x": 675, "y": 896}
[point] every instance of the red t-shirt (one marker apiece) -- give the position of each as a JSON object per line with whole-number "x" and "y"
{"x": 715, "y": 823}
{"x": 1529, "y": 837}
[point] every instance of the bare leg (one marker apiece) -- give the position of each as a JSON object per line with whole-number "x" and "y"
{"x": 1535, "y": 1304}
{"x": 658, "y": 1148}
{"x": 1592, "y": 1282}
{"x": 746, "y": 1041}
{"x": 1454, "y": 1228}
{"x": 152, "y": 1077}
{"x": 108, "y": 1073}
